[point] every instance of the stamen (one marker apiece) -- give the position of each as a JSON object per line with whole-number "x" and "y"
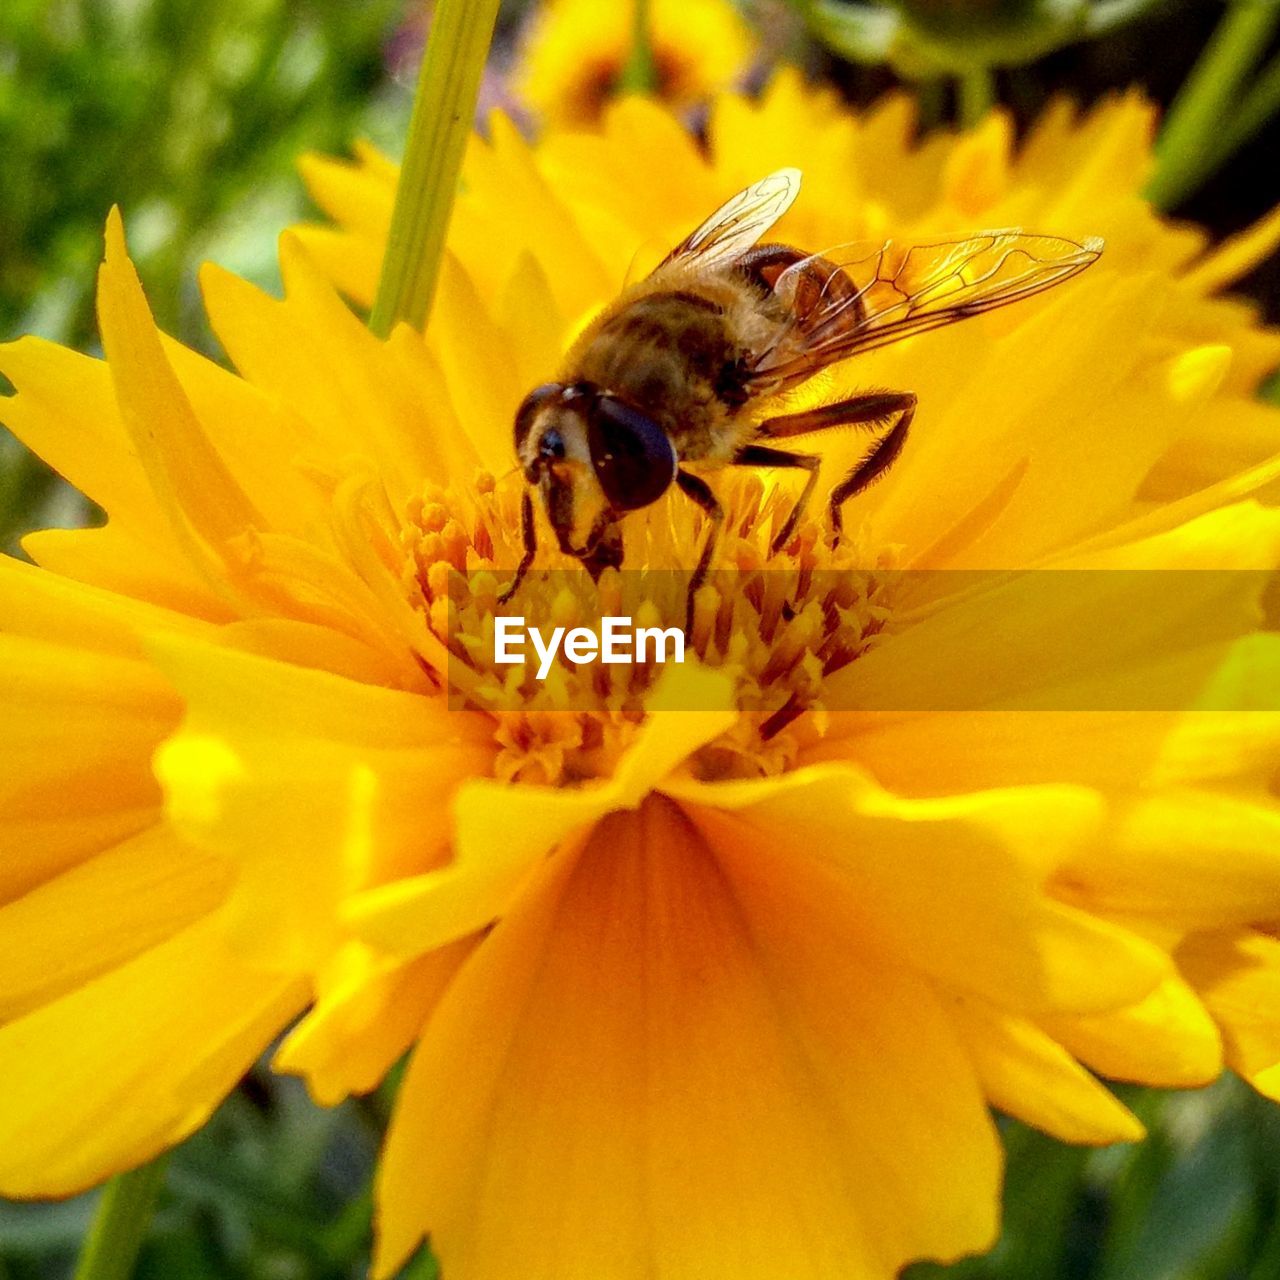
{"x": 779, "y": 624}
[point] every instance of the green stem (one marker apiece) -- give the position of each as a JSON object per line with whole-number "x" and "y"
{"x": 443, "y": 110}
{"x": 640, "y": 75}
{"x": 121, "y": 1222}
{"x": 931, "y": 102}
{"x": 1201, "y": 108}
{"x": 1259, "y": 105}
{"x": 977, "y": 88}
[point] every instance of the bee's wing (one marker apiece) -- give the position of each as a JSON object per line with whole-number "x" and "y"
{"x": 888, "y": 291}
{"x": 737, "y": 225}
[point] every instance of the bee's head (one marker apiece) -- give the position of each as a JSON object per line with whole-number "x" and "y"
{"x": 592, "y": 457}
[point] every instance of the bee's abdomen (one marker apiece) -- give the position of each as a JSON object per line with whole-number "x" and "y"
{"x": 670, "y": 354}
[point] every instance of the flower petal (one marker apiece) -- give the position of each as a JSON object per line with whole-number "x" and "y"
{"x": 368, "y": 1011}
{"x": 1160, "y": 616}
{"x": 1236, "y": 256}
{"x": 65, "y": 410}
{"x": 138, "y": 569}
{"x": 82, "y": 713}
{"x": 100, "y": 914}
{"x": 1166, "y": 1040}
{"x": 190, "y": 480}
{"x": 955, "y": 886}
{"x": 313, "y": 354}
{"x": 1120, "y": 750}
{"x": 113, "y": 1072}
{"x": 651, "y": 1029}
{"x": 112, "y": 711}
{"x": 315, "y": 787}
{"x": 360, "y": 192}
{"x": 1237, "y": 973}
{"x": 504, "y": 831}
{"x": 1028, "y": 1075}
{"x": 1189, "y": 859}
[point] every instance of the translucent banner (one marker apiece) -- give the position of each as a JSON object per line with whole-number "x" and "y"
{"x": 868, "y": 640}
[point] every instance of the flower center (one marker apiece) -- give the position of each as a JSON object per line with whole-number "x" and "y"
{"x": 674, "y": 80}
{"x": 778, "y": 624}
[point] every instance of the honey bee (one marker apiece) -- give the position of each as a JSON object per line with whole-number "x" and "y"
{"x": 682, "y": 366}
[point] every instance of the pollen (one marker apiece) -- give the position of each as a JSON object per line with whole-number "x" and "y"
{"x": 778, "y": 624}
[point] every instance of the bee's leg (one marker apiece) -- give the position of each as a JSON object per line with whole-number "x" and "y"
{"x": 755, "y": 455}
{"x": 699, "y": 491}
{"x": 606, "y": 551}
{"x": 873, "y": 409}
{"x": 530, "y": 546}
{"x": 880, "y": 457}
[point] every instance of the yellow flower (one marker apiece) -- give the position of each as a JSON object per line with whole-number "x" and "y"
{"x": 575, "y": 52}
{"x": 693, "y": 992}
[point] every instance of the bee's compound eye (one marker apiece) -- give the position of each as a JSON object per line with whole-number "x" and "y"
{"x": 529, "y": 407}
{"x": 633, "y": 457}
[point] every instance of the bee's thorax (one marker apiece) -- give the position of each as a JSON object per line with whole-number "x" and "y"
{"x": 680, "y": 356}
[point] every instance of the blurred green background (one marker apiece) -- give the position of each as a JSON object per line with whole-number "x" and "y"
{"x": 190, "y": 116}
{"x": 187, "y": 115}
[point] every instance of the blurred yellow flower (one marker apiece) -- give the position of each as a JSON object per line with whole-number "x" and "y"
{"x": 575, "y": 53}
{"x": 689, "y": 997}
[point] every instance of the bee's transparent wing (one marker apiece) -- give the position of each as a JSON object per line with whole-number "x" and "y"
{"x": 740, "y": 223}
{"x": 880, "y": 293}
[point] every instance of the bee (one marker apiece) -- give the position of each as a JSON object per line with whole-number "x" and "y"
{"x": 683, "y": 366}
